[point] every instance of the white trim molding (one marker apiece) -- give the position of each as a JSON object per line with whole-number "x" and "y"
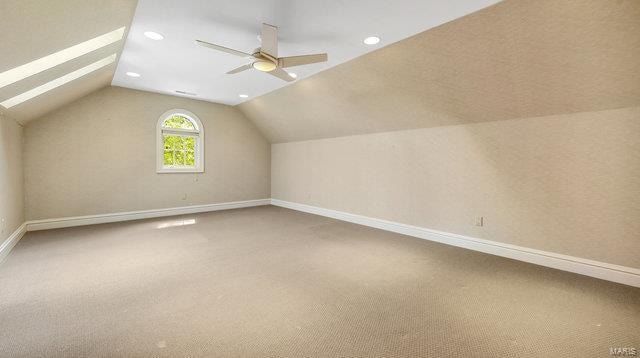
{"x": 45, "y": 224}
{"x": 610, "y": 272}
{"x": 11, "y": 241}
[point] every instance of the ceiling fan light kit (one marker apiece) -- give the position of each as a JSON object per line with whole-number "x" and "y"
{"x": 264, "y": 66}
{"x": 266, "y": 57}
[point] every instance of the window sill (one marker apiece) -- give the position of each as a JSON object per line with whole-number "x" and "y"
{"x": 179, "y": 170}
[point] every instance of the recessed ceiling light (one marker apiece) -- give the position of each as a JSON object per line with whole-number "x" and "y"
{"x": 293, "y": 75}
{"x": 243, "y": 95}
{"x": 154, "y": 35}
{"x": 133, "y": 74}
{"x": 42, "y": 64}
{"x": 58, "y": 82}
{"x": 371, "y": 40}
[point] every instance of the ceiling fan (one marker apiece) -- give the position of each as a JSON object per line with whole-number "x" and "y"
{"x": 266, "y": 58}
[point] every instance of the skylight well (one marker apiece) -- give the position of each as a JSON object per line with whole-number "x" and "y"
{"x": 58, "y": 82}
{"x": 42, "y": 64}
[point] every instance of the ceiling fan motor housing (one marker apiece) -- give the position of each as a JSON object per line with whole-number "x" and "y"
{"x": 266, "y": 56}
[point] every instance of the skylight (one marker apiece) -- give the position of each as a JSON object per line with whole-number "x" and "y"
{"x": 58, "y": 82}
{"x": 42, "y": 64}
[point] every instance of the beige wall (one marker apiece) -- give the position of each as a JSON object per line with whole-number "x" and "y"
{"x": 97, "y": 155}
{"x": 568, "y": 184}
{"x": 525, "y": 112}
{"x": 11, "y": 178}
{"x": 516, "y": 59}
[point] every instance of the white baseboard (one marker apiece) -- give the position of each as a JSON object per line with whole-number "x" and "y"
{"x": 45, "y": 224}
{"x": 620, "y": 274}
{"x": 11, "y": 241}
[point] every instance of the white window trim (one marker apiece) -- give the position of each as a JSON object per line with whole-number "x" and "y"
{"x": 160, "y": 131}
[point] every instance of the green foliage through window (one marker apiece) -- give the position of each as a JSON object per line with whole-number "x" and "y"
{"x": 178, "y": 122}
{"x": 179, "y": 151}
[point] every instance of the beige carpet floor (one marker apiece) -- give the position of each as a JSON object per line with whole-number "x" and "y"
{"x": 267, "y": 281}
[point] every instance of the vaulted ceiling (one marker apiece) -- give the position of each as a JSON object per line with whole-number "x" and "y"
{"x": 32, "y": 29}
{"x": 516, "y": 59}
{"x": 336, "y": 27}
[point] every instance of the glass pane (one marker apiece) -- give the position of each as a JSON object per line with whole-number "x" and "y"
{"x": 190, "y": 143}
{"x": 169, "y": 142}
{"x": 179, "y": 157}
{"x": 191, "y": 159}
{"x": 179, "y": 122}
{"x": 174, "y": 142}
{"x": 180, "y": 142}
{"x": 168, "y": 157}
{"x": 179, "y": 151}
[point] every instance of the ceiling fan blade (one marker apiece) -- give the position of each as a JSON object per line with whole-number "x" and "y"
{"x": 269, "y": 38}
{"x": 240, "y": 69}
{"x": 223, "y": 49}
{"x": 293, "y": 61}
{"x": 281, "y": 74}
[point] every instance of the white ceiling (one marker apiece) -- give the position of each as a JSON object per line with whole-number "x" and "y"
{"x": 333, "y": 26}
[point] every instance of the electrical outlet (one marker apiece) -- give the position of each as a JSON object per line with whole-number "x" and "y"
{"x": 479, "y": 220}
{"x": 184, "y": 196}
{"x": 3, "y": 225}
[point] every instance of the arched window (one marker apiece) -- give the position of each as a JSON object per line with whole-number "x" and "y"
{"x": 180, "y": 147}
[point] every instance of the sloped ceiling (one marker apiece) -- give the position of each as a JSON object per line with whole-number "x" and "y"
{"x": 333, "y": 26}
{"x": 31, "y": 29}
{"x": 516, "y": 59}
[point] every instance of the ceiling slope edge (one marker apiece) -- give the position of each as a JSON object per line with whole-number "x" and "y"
{"x": 508, "y": 61}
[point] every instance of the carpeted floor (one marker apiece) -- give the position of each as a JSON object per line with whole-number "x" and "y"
{"x": 268, "y": 281}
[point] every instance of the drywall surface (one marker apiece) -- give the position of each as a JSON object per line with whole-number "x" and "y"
{"x": 516, "y": 59}
{"x": 11, "y": 178}
{"x": 98, "y": 155}
{"x": 568, "y": 184}
{"x": 33, "y": 29}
